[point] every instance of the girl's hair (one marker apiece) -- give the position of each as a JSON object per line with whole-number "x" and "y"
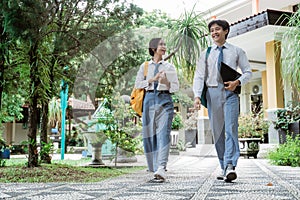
{"x": 153, "y": 45}
{"x": 223, "y": 23}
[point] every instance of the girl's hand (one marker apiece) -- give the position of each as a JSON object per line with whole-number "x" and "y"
{"x": 163, "y": 78}
{"x": 155, "y": 78}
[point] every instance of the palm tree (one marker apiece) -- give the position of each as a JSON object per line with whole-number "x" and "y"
{"x": 54, "y": 114}
{"x": 189, "y": 36}
{"x": 290, "y": 53}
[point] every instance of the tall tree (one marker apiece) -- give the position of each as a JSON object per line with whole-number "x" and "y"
{"x": 12, "y": 68}
{"x": 57, "y": 32}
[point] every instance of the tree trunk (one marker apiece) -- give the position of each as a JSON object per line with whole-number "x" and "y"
{"x": 45, "y": 157}
{"x": 2, "y": 61}
{"x": 1, "y": 77}
{"x": 32, "y": 130}
{"x": 33, "y": 109}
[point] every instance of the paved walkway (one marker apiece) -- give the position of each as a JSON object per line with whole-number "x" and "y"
{"x": 191, "y": 175}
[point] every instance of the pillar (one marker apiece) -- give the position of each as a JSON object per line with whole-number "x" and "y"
{"x": 264, "y": 83}
{"x": 204, "y": 129}
{"x": 275, "y": 94}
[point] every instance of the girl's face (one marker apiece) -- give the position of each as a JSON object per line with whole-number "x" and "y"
{"x": 218, "y": 34}
{"x": 161, "y": 48}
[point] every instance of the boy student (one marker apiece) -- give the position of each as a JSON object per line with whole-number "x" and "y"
{"x": 222, "y": 100}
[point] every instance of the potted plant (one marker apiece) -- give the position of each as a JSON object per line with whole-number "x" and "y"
{"x": 119, "y": 126}
{"x": 288, "y": 121}
{"x": 4, "y": 151}
{"x": 252, "y": 130}
{"x": 177, "y": 124}
{"x": 190, "y": 128}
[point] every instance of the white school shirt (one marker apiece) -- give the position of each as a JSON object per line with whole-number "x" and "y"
{"x": 233, "y": 56}
{"x": 164, "y": 66}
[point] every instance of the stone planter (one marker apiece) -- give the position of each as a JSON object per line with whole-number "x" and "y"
{"x": 174, "y": 141}
{"x": 96, "y": 140}
{"x": 249, "y": 147}
{"x": 190, "y": 137}
{"x": 125, "y": 156}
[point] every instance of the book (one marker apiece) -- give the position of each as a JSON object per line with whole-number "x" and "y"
{"x": 229, "y": 74}
{"x": 171, "y": 76}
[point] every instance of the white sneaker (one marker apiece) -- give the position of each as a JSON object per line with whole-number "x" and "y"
{"x": 160, "y": 174}
{"x": 230, "y": 174}
{"x": 220, "y": 176}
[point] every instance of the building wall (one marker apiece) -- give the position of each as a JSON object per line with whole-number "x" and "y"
{"x": 16, "y": 137}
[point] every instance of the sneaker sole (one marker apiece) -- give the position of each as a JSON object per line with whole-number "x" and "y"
{"x": 156, "y": 180}
{"x": 157, "y": 176}
{"x": 230, "y": 177}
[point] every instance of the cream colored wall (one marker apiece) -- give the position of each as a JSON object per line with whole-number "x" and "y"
{"x": 21, "y": 134}
{"x": 17, "y": 137}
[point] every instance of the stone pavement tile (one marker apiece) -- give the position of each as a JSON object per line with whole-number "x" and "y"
{"x": 255, "y": 181}
{"x": 191, "y": 175}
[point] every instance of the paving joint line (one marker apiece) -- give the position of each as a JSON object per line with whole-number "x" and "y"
{"x": 206, "y": 186}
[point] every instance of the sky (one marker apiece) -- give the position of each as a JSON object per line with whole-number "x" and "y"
{"x": 176, "y": 7}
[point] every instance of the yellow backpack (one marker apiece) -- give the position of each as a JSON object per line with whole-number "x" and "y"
{"x": 138, "y": 94}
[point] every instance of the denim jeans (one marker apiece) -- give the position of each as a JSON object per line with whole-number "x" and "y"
{"x": 157, "y": 118}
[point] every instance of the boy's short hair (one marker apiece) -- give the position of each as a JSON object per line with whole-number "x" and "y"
{"x": 223, "y": 23}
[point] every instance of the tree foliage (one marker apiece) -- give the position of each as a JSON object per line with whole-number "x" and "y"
{"x": 188, "y": 35}
{"x": 290, "y": 68}
{"x": 55, "y": 33}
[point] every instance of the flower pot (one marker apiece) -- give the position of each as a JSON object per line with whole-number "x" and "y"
{"x": 249, "y": 147}
{"x": 5, "y": 154}
{"x": 96, "y": 139}
{"x": 174, "y": 141}
{"x": 125, "y": 156}
{"x": 293, "y": 131}
{"x": 190, "y": 137}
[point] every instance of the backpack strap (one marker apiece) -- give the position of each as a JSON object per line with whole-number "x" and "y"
{"x": 146, "y": 69}
{"x": 207, "y": 54}
{"x": 206, "y": 57}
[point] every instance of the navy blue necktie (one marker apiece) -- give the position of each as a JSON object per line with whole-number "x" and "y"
{"x": 155, "y": 72}
{"x": 220, "y": 59}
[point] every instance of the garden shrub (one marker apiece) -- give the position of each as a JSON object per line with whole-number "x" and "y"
{"x": 287, "y": 154}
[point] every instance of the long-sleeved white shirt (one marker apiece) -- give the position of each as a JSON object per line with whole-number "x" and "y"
{"x": 233, "y": 56}
{"x": 164, "y": 66}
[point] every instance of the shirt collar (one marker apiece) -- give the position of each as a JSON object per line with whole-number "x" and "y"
{"x": 225, "y": 45}
{"x": 160, "y": 62}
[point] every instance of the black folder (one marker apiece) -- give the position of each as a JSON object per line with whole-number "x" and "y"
{"x": 229, "y": 74}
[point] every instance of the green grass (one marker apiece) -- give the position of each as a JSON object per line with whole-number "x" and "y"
{"x": 15, "y": 171}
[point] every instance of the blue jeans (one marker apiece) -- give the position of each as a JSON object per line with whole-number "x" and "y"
{"x": 157, "y": 118}
{"x": 223, "y": 110}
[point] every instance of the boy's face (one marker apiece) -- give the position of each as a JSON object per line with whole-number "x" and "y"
{"x": 218, "y": 34}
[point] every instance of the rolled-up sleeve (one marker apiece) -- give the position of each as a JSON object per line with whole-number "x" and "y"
{"x": 244, "y": 65}
{"x": 140, "y": 81}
